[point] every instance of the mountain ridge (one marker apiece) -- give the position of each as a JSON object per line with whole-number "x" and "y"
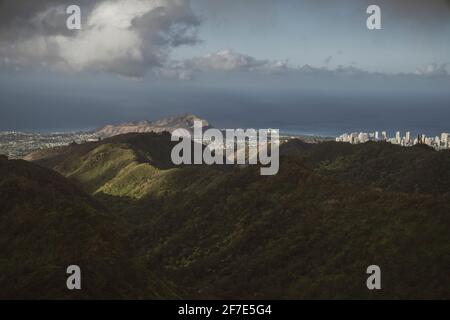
{"x": 169, "y": 124}
{"x": 308, "y": 232}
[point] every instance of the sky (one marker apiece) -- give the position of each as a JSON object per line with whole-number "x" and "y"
{"x": 136, "y": 59}
{"x": 329, "y": 33}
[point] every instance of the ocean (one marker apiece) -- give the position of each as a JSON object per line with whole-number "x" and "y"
{"x": 294, "y": 111}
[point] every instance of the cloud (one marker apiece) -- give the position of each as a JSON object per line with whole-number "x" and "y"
{"x": 135, "y": 37}
{"x": 433, "y": 70}
{"x": 126, "y": 37}
{"x": 224, "y": 61}
{"x": 230, "y": 62}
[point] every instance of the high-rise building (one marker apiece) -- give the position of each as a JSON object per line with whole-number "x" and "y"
{"x": 363, "y": 137}
{"x": 438, "y": 142}
{"x": 408, "y": 137}
{"x": 398, "y": 138}
{"x": 445, "y": 140}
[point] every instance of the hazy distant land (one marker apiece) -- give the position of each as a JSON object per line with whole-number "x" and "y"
{"x": 16, "y": 145}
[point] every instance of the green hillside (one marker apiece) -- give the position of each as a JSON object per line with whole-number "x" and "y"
{"x": 47, "y": 224}
{"x": 418, "y": 169}
{"x": 309, "y": 232}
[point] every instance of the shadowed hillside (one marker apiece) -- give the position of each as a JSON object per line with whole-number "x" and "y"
{"x": 47, "y": 224}
{"x": 309, "y": 232}
{"x": 418, "y": 169}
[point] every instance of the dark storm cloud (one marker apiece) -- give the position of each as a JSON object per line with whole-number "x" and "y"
{"x": 23, "y": 18}
{"x": 128, "y": 37}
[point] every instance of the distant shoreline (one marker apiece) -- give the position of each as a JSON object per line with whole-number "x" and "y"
{"x": 283, "y": 133}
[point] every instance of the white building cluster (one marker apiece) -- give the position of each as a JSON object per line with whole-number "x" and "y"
{"x": 439, "y": 142}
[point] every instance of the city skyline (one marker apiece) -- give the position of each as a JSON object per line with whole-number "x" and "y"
{"x": 440, "y": 142}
